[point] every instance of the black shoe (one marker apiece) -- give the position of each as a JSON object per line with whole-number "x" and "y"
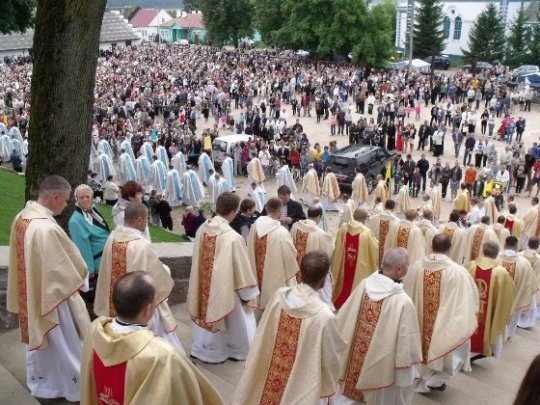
{"x": 477, "y": 357}
{"x": 439, "y": 388}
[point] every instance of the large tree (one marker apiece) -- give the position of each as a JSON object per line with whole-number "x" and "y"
{"x": 428, "y": 31}
{"x": 16, "y": 15}
{"x": 66, "y": 43}
{"x": 227, "y": 20}
{"x": 486, "y": 38}
{"x": 269, "y": 18}
{"x": 376, "y": 44}
{"x": 534, "y": 44}
{"x": 191, "y": 5}
{"x": 517, "y": 41}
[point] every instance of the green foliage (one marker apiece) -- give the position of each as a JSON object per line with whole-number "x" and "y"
{"x": 534, "y": 45}
{"x": 376, "y": 42}
{"x": 173, "y": 13}
{"x": 346, "y": 27}
{"x": 517, "y": 41}
{"x": 486, "y": 38}
{"x": 131, "y": 13}
{"x": 269, "y": 17}
{"x": 16, "y": 15}
{"x": 428, "y": 32}
{"x": 227, "y": 20}
{"x": 191, "y": 5}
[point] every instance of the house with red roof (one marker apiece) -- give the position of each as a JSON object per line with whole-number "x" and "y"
{"x": 189, "y": 26}
{"x": 147, "y": 20}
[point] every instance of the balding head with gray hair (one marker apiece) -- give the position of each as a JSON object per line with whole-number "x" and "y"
{"x": 427, "y": 214}
{"x": 53, "y": 184}
{"x": 395, "y": 263}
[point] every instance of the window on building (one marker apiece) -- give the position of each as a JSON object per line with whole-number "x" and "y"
{"x": 446, "y": 26}
{"x": 457, "y": 28}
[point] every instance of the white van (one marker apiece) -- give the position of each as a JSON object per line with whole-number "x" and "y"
{"x": 225, "y": 144}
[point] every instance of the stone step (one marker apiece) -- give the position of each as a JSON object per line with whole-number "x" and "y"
{"x": 12, "y": 391}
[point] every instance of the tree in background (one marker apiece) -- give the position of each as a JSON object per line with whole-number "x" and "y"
{"x": 516, "y": 53}
{"x": 486, "y": 38}
{"x": 534, "y": 44}
{"x": 428, "y": 31}
{"x": 65, "y": 50}
{"x": 190, "y": 5}
{"x": 345, "y": 28}
{"x": 16, "y": 15}
{"x": 227, "y": 20}
{"x": 172, "y": 12}
{"x": 269, "y": 18}
{"x": 376, "y": 44}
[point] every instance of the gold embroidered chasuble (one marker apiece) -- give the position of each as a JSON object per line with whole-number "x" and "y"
{"x": 128, "y": 250}
{"x": 446, "y": 300}
{"x": 220, "y": 267}
{"x": 272, "y": 256}
{"x": 524, "y": 279}
{"x": 379, "y": 324}
{"x": 359, "y": 189}
{"x": 45, "y": 269}
{"x": 139, "y": 369}
{"x": 496, "y": 294}
{"x": 352, "y": 262}
{"x": 407, "y": 235}
{"x": 295, "y": 355}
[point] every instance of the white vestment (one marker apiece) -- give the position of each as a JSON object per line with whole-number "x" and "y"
{"x": 161, "y": 153}
{"x": 174, "y": 188}
{"x": 179, "y": 163}
{"x": 158, "y": 176}
{"x": 284, "y": 178}
{"x": 105, "y": 168}
{"x": 227, "y": 168}
{"x": 127, "y": 169}
{"x": 142, "y": 167}
{"x": 147, "y": 150}
{"x": 205, "y": 165}
{"x": 192, "y": 189}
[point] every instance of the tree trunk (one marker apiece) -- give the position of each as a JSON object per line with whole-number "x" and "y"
{"x": 65, "y": 51}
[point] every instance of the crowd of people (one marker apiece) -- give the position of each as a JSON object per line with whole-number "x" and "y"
{"x": 311, "y": 310}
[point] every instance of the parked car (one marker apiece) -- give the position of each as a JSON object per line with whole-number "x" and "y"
{"x": 372, "y": 160}
{"x": 441, "y": 62}
{"x": 526, "y": 69}
{"x": 183, "y": 42}
{"x": 480, "y": 66}
{"x": 225, "y": 144}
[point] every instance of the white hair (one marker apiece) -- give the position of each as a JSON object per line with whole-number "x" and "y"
{"x": 80, "y": 188}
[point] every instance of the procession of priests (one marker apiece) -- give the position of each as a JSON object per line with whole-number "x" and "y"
{"x": 388, "y": 306}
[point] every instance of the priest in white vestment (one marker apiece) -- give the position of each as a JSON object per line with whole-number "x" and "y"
{"x": 347, "y": 209}
{"x": 222, "y": 289}
{"x": 271, "y": 252}
{"x": 128, "y": 250}
{"x": 521, "y": 272}
{"x": 457, "y": 235}
{"x": 179, "y": 163}
{"x": 330, "y": 191}
{"x": 158, "y": 175}
{"x": 491, "y": 209}
{"x": 126, "y": 145}
{"x": 174, "y": 187}
{"x": 285, "y": 178}
{"x": 255, "y": 172}
{"x": 162, "y": 155}
{"x": 381, "y": 190}
{"x": 531, "y": 222}
{"x": 406, "y": 234}
{"x": 227, "y": 168}
{"x": 435, "y": 196}
{"x": 307, "y": 236}
{"x": 446, "y": 300}
{"x": 45, "y": 273}
{"x": 295, "y": 357}
{"x": 310, "y": 186}
{"x": 380, "y": 224}
{"x": 499, "y": 229}
{"x": 143, "y": 170}
{"x": 206, "y": 167}
{"x": 378, "y": 322}
{"x": 147, "y": 149}
{"x": 5, "y": 147}
{"x": 258, "y": 195}
{"x": 192, "y": 189}
{"x": 531, "y": 254}
{"x": 105, "y": 147}
{"x": 359, "y": 189}
{"x": 403, "y": 200}
{"x": 105, "y": 167}
{"x": 127, "y": 168}
{"x": 513, "y": 223}
{"x": 477, "y": 236}
{"x": 425, "y": 224}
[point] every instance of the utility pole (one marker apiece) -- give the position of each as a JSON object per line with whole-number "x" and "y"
{"x": 410, "y": 10}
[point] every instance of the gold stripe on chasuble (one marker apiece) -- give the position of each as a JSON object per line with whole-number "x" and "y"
{"x": 403, "y": 236}
{"x": 300, "y": 243}
{"x": 20, "y": 230}
{"x": 510, "y": 268}
{"x": 118, "y": 268}
{"x": 260, "y": 256}
{"x": 282, "y": 361}
{"x": 367, "y": 320}
{"x": 206, "y": 268}
{"x": 432, "y": 300}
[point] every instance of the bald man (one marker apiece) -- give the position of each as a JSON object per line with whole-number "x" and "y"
{"x": 425, "y": 224}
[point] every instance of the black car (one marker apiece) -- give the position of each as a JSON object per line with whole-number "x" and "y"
{"x": 441, "y": 62}
{"x": 373, "y": 160}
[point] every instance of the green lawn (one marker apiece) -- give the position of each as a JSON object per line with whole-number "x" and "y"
{"x": 12, "y": 201}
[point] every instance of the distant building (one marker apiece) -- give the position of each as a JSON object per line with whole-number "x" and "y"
{"x": 188, "y": 27}
{"x": 147, "y": 20}
{"x": 459, "y": 17}
{"x": 115, "y": 31}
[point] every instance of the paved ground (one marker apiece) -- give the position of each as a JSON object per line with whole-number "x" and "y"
{"x": 320, "y": 132}
{"x": 492, "y": 381}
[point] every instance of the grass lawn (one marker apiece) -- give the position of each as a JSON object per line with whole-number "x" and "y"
{"x": 12, "y": 201}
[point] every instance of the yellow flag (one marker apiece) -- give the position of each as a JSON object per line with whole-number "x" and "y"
{"x": 388, "y": 174}
{"x": 5, "y": 119}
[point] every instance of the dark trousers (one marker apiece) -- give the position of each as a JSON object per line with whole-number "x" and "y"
{"x": 423, "y": 177}
{"x": 444, "y": 184}
{"x": 467, "y": 157}
{"x": 167, "y": 222}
